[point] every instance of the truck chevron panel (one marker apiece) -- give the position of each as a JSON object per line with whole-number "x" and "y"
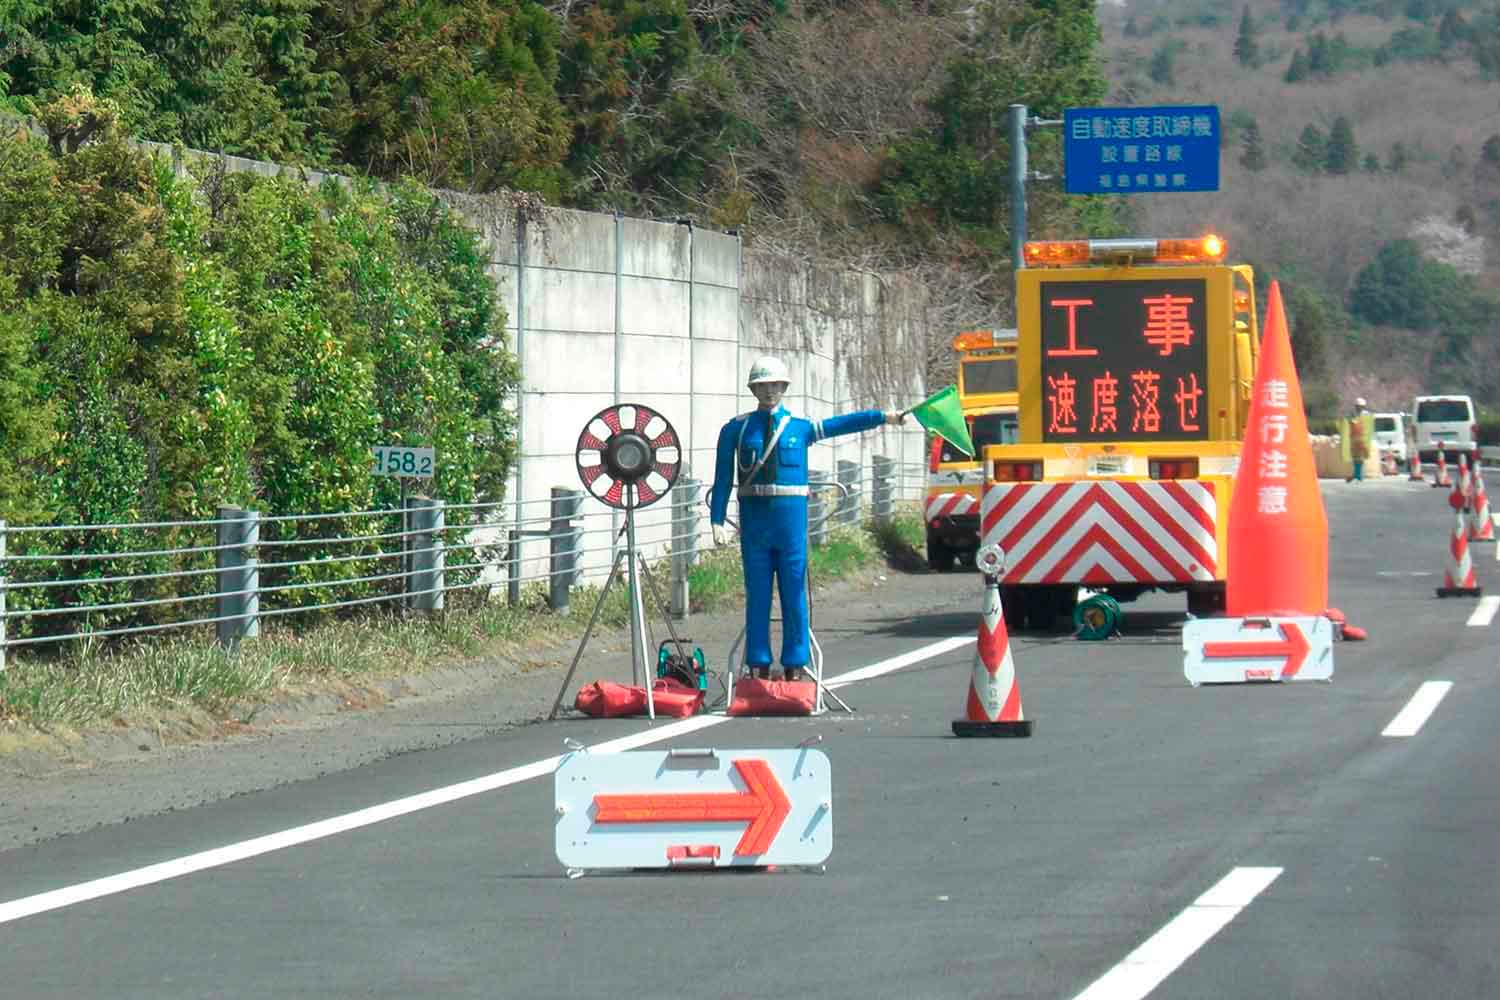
{"x": 950, "y": 504}
{"x": 1103, "y": 532}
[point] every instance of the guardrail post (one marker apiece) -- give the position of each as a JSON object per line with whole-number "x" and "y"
{"x": 424, "y": 584}
{"x": 884, "y": 471}
{"x": 238, "y": 575}
{"x": 564, "y": 538}
{"x": 684, "y": 542}
{"x": 513, "y": 568}
{"x": 2, "y": 595}
{"x": 817, "y": 506}
{"x": 848, "y": 509}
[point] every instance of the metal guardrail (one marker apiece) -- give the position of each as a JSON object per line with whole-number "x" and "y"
{"x": 62, "y": 583}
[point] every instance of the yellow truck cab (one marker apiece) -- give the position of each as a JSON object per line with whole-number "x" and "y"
{"x": 1135, "y": 364}
{"x": 988, "y": 398}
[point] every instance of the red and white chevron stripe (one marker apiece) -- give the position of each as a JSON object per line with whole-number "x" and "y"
{"x": 949, "y": 504}
{"x": 1112, "y": 531}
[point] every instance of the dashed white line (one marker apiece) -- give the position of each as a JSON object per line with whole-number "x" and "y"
{"x": 1144, "y": 969}
{"x": 1409, "y": 721}
{"x": 56, "y": 899}
{"x": 1484, "y": 612}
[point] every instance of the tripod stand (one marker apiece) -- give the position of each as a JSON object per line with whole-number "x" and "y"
{"x": 638, "y": 569}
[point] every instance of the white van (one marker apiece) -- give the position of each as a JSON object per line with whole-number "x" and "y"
{"x": 1390, "y": 435}
{"x": 1446, "y": 422}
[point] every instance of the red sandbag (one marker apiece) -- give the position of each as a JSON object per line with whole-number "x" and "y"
{"x": 753, "y": 696}
{"x": 608, "y": 700}
{"x": 674, "y": 698}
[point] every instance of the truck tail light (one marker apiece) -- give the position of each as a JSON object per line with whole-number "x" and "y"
{"x": 1174, "y": 468}
{"x": 934, "y": 454}
{"x": 1017, "y": 472}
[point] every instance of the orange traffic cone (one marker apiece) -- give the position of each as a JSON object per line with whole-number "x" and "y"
{"x": 1458, "y": 579}
{"x": 1416, "y": 467}
{"x": 994, "y": 705}
{"x": 1278, "y": 530}
{"x": 1441, "y": 479}
{"x": 1388, "y": 463}
{"x": 1481, "y": 524}
{"x": 1465, "y": 483}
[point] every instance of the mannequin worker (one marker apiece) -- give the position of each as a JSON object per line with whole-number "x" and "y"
{"x": 767, "y": 450}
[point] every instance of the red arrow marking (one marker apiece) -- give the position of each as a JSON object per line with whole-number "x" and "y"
{"x": 763, "y": 803}
{"x": 1294, "y": 646}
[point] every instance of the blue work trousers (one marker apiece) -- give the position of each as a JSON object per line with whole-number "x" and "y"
{"x": 773, "y": 540}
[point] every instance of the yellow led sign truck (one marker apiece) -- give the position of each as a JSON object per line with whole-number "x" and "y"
{"x": 1135, "y": 362}
{"x": 987, "y": 395}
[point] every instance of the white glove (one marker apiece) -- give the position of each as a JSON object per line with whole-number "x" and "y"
{"x": 721, "y": 534}
{"x": 895, "y": 419}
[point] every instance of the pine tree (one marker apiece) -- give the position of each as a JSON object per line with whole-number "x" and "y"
{"x": 1452, "y": 30}
{"x": 1246, "y": 48}
{"x": 1252, "y": 148}
{"x": 1398, "y": 158}
{"x": 1342, "y": 153}
{"x": 1490, "y": 151}
{"x": 1162, "y": 70}
{"x": 1312, "y": 150}
{"x": 1319, "y": 55}
{"x": 1371, "y": 164}
{"x": 1297, "y": 71}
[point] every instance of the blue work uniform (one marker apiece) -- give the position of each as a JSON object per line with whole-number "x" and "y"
{"x": 773, "y": 517}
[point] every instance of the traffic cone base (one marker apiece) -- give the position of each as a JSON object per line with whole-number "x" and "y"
{"x": 1019, "y": 728}
{"x": 1460, "y": 591}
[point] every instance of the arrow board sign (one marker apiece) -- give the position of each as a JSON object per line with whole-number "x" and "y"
{"x": 694, "y": 808}
{"x": 1243, "y": 650}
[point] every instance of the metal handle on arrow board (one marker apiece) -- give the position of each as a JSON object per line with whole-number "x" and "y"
{"x": 692, "y": 753}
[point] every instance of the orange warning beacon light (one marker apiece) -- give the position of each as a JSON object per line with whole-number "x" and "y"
{"x": 1208, "y": 249}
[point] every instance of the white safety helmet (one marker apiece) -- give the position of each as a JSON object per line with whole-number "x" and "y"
{"x": 769, "y": 369}
{"x": 1360, "y": 401}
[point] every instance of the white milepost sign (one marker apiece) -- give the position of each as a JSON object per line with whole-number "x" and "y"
{"x": 399, "y": 460}
{"x": 694, "y": 808}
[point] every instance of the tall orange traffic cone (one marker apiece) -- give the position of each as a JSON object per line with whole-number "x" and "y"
{"x": 1278, "y": 530}
{"x": 994, "y": 705}
{"x": 1441, "y": 479}
{"x": 1416, "y": 467}
{"x": 1481, "y": 524}
{"x": 1458, "y": 497}
{"x": 1458, "y": 579}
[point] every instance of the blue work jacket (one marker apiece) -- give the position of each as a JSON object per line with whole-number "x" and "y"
{"x": 742, "y": 441}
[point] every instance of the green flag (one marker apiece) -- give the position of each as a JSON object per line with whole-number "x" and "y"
{"x": 941, "y": 414}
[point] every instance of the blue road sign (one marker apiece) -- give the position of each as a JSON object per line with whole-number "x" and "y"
{"x": 1141, "y": 150}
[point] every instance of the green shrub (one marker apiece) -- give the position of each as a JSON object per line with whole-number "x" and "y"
{"x": 181, "y": 342}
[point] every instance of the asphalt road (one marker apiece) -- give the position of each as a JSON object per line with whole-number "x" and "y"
{"x": 1150, "y": 839}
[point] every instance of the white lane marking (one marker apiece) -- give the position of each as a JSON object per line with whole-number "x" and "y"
{"x": 1409, "y": 721}
{"x": 1144, "y": 969}
{"x": 904, "y": 660}
{"x": 216, "y": 857}
{"x": 1485, "y": 612}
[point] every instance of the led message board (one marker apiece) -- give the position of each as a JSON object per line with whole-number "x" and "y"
{"x": 1124, "y": 360}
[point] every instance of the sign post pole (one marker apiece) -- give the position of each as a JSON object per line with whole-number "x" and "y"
{"x": 1017, "y": 185}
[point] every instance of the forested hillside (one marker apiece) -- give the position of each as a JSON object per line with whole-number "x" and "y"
{"x": 863, "y": 133}
{"x": 1361, "y": 167}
